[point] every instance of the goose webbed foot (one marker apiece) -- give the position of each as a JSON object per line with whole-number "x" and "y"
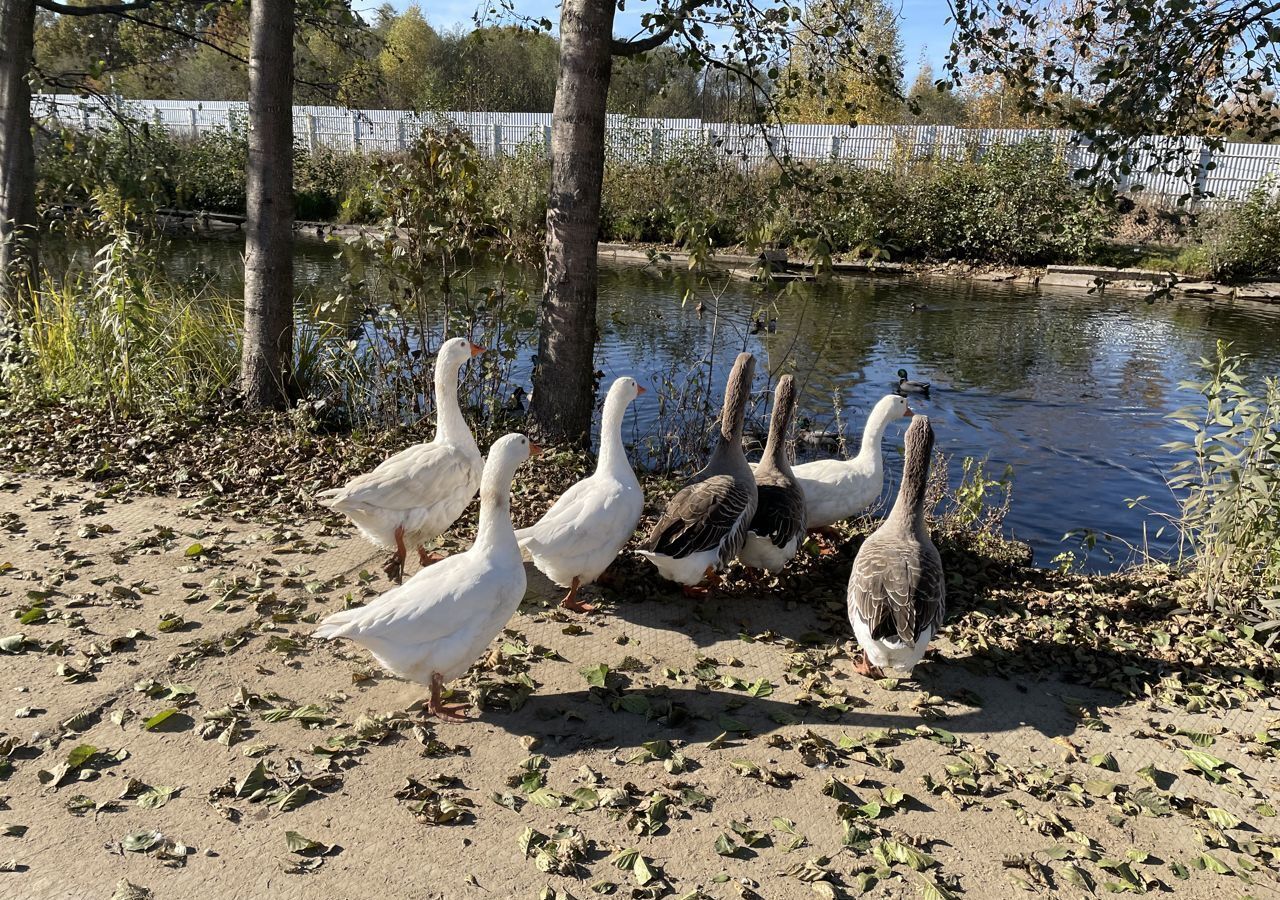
{"x": 864, "y": 667}
{"x": 571, "y": 601}
{"x": 425, "y": 559}
{"x": 395, "y": 566}
{"x": 711, "y": 579}
{"x": 447, "y": 712}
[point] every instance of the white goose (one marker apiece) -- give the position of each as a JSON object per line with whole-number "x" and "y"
{"x": 704, "y": 526}
{"x": 836, "y": 489}
{"x": 585, "y": 529}
{"x": 897, "y": 590}
{"x": 415, "y": 496}
{"x": 434, "y": 626}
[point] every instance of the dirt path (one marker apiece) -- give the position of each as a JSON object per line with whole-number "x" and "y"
{"x": 739, "y": 756}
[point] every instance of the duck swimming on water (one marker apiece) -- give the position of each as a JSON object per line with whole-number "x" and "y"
{"x": 907, "y": 386}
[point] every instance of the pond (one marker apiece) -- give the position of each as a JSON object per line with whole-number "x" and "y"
{"x": 1071, "y": 391}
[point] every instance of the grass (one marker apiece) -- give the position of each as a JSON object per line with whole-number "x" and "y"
{"x": 130, "y": 340}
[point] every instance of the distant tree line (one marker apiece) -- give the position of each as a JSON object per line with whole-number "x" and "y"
{"x": 398, "y": 60}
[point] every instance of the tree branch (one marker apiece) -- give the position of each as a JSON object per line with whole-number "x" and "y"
{"x": 620, "y": 47}
{"x": 644, "y": 45}
{"x": 65, "y": 9}
{"x": 188, "y": 35}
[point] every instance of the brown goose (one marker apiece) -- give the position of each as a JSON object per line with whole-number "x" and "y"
{"x": 778, "y": 526}
{"x": 704, "y": 526}
{"x": 897, "y": 591}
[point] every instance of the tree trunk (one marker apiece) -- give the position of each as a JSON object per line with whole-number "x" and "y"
{"x": 18, "y": 226}
{"x": 563, "y": 381}
{"x": 268, "y": 272}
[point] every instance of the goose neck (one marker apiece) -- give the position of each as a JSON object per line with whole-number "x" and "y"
{"x": 613, "y": 455}
{"x": 450, "y": 423}
{"x": 495, "y": 530}
{"x": 775, "y": 447}
{"x": 736, "y": 394}
{"x": 873, "y": 436}
{"x": 908, "y": 509}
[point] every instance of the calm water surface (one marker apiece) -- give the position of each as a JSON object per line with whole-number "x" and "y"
{"x": 1069, "y": 390}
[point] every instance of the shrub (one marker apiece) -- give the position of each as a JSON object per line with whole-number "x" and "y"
{"x": 1229, "y": 482}
{"x": 656, "y": 198}
{"x": 137, "y": 165}
{"x": 1014, "y": 203}
{"x": 515, "y": 190}
{"x": 1243, "y": 241}
{"x": 437, "y": 220}
{"x": 329, "y": 185}
{"x": 210, "y": 171}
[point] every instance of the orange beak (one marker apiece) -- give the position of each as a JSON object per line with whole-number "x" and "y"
{"x": 639, "y": 390}
{"x": 534, "y": 449}
{"x": 910, "y": 412}
{"x": 476, "y": 349}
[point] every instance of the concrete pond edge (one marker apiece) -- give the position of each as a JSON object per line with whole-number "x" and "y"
{"x": 751, "y": 267}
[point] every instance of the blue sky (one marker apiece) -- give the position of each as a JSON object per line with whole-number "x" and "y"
{"x": 923, "y": 23}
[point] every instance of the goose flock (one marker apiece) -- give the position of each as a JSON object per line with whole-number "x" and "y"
{"x": 432, "y": 627}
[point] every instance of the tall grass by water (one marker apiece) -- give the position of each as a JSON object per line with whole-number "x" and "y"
{"x": 125, "y": 336}
{"x": 1228, "y": 482}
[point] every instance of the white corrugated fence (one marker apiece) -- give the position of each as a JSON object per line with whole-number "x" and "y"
{"x": 1225, "y": 174}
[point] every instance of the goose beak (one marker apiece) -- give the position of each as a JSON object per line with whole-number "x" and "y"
{"x": 476, "y": 349}
{"x": 639, "y": 390}
{"x": 909, "y": 413}
{"x": 534, "y": 449}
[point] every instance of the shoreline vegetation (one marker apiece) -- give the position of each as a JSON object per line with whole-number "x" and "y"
{"x": 1014, "y": 207}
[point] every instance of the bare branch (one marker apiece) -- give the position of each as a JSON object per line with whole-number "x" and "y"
{"x": 645, "y": 44}
{"x": 97, "y": 9}
{"x": 675, "y": 22}
{"x": 187, "y": 35}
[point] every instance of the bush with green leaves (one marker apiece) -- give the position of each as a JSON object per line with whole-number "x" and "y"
{"x": 210, "y": 171}
{"x": 515, "y": 189}
{"x": 1015, "y": 203}
{"x": 1228, "y": 485}
{"x": 136, "y": 164}
{"x": 1243, "y": 241}
{"x": 333, "y": 185}
{"x": 437, "y": 220}
{"x": 651, "y": 198}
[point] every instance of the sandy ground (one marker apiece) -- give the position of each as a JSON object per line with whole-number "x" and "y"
{"x": 784, "y": 774}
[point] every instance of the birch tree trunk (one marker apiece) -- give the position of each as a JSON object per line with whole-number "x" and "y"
{"x": 564, "y": 386}
{"x": 268, "y": 277}
{"x": 18, "y": 226}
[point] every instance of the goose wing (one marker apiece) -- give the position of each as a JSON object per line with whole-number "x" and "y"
{"x": 780, "y": 513}
{"x": 413, "y": 478}
{"x": 587, "y": 513}
{"x": 433, "y": 604}
{"x": 897, "y": 589}
{"x": 701, "y": 517}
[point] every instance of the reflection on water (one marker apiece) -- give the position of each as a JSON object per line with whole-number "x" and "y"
{"x": 1070, "y": 390}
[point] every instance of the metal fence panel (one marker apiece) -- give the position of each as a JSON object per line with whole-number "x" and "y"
{"x": 1225, "y": 175}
